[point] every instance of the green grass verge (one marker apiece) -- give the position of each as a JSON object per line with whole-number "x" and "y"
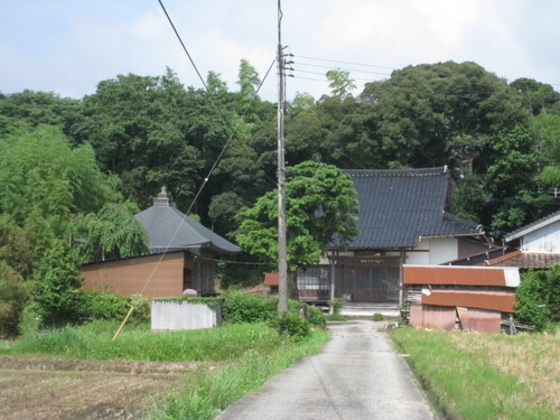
{"x": 246, "y": 355}
{"x": 466, "y": 380}
{"x": 206, "y": 398}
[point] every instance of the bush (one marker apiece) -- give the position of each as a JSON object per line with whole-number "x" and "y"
{"x": 337, "y": 304}
{"x": 56, "y": 288}
{"x": 30, "y": 320}
{"x": 336, "y": 317}
{"x": 316, "y": 318}
{"x": 293, "y": 325}
{"x": 538, "y": 297}
{"x": 94, "y": 305}
{"x": 240, "y": 307}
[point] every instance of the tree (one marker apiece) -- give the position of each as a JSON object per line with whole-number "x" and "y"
{"x": 31, "y": 109}
{"x": 538, "y": 297}
{"x": 513, "y": 173}
{"x": 151, "y": 132}
{"x": 248, "y": 98}
{"x": 340, "y": 83}
{"x": 439, "y": 114}
{"x": 112, "y": 233}
{"x": 15, "y": 269}
{"x": 320, "y": 207}
{"x": 56, "y": 287}
{"x": 539, "y": 98}
{"x": 45, "y": 182}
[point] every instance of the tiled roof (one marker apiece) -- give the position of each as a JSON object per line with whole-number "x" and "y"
{"x": 525, "y": 260}
{"x": 397, "y": 207}
{"x": 169, "y": 229}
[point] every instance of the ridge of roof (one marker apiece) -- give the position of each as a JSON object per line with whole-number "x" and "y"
{"x": 440, "y": 170}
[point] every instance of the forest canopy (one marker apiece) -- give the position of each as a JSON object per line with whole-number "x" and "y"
{"x": 66, "y": 161}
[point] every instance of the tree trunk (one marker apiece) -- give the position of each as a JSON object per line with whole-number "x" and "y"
{"x": 292, "y": 285}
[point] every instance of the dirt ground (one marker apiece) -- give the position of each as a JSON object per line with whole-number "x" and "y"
{"x": 40, "y": 388}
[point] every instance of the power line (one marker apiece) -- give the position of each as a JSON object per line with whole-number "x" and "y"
{"x": 183, "y": 44}
{"x": 345, "y": 62}
{"x": 232, "y": 133}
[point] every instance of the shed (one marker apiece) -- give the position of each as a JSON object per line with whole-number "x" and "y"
{"x": 475, "y": 298}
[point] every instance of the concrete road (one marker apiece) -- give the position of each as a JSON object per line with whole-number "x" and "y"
{"x": 359, "y": 376}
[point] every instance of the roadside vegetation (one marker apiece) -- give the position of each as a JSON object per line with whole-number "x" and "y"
{"x": 486, "y": 376}
{"x": 237, "y": 358}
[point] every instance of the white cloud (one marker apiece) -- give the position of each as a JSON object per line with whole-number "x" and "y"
{"x": 68, "y": 47}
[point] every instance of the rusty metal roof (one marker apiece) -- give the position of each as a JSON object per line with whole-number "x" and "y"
{"x": 461, "y": 276}
{"x": 495, "y": 301}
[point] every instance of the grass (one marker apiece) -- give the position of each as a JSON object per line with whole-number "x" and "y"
{"x": 245, "y": 356}
{"x": 94, "y": 341}
{"x": 216, "y": 390}
{"x": 486, "y": 376}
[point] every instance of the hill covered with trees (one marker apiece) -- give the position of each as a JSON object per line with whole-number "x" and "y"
{"x": 65, "y": 160}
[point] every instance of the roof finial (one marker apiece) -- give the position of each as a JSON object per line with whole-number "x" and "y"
{"x": 162, "y": 199}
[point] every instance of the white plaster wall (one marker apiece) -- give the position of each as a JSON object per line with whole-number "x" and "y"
{"x": 443, "y": 250}
{"x": 546, "y": 239}
{"x": 419, "y": 258}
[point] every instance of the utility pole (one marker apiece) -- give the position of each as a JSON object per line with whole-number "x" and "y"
{"x": 282, "y": 237}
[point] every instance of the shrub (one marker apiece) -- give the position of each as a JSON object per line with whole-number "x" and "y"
{"x": 316, "y": 318}
{"x": 56, "y": 288}
{"x": 242, "y": 307}
{"x": 538, "y": 297}
{"x": 293, "y": 325}
{"x": 94, "y": 305}
{"x": 377, "y": 317}
{"x": 30, "y": 320}
{"x": 336, "y": 317}
{"x": 337, "y": 304}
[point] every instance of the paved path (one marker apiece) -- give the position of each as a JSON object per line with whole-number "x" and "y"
{"x": 359, "y": 375}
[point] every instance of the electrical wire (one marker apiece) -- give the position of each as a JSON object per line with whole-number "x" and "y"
{"x": 224, "y": 148}
{"x": 182, "y": 44}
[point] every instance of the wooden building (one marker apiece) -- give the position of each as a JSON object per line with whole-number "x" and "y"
{"x": 404, "y": 219}
{"x": 183, "y": 255}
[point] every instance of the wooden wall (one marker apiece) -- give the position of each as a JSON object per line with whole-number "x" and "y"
{"x": 152, "y": 275}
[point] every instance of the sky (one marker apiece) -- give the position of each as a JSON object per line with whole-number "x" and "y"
{"x": 69, "y": 46}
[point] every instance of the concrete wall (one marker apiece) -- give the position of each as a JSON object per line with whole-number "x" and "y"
{"x": 175, "y": 316}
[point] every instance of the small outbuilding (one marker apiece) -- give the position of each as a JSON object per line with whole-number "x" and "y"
{"x": 183, "y": 255}
{"x": 470, "y": 298}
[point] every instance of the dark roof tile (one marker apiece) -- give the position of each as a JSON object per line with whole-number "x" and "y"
{"x": 397, "y": 207}
{"x": 169, "y": 229}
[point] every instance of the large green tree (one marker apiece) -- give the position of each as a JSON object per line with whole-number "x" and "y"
{"x": 321, "y": 205}
{"x": 152, "y": 132}
{"x": 437, "y": 114}
{"x": 30, "y": 109}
